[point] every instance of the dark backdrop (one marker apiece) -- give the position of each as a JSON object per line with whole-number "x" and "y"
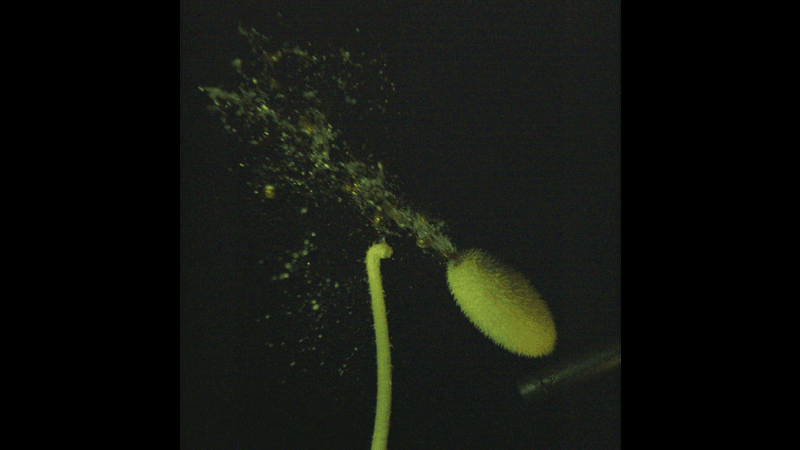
{"x": 510, "y": 133}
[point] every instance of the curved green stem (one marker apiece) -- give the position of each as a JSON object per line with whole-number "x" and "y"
{"x": 380, "y": 434}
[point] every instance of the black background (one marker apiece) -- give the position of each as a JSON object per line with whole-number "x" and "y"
{"x": 510, "y": 133}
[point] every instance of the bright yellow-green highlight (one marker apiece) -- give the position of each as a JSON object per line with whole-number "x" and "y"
{"x": 380, "y": 434}
{"x": 501, "y": 303}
